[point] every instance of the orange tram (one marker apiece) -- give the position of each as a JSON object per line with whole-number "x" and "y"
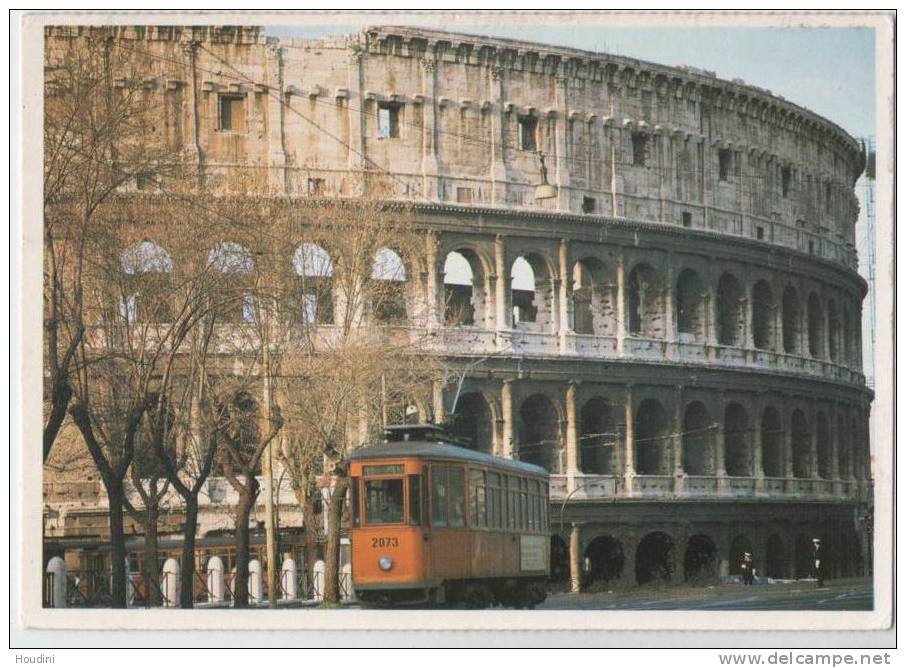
{"x": 436, "y": 523}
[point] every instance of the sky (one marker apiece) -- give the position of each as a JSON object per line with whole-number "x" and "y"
{"x": 829, "y": 70}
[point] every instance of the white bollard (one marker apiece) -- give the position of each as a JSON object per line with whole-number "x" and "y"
{"x": 317, "y": 581}
{"x": 215, "y": 580}
{"x": 170, "y": 583}
{"x": 346, "y": 582}
{"x": 256, "y": 582}
{"x": 57, "y": 568}
{"x": 288, "y": 579}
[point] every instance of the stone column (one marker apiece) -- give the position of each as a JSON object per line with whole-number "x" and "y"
{"x": 277, "y": 176}
{"x": 748, "y": 334}
{"x": 565, "y": 296}
{"x": 437, "y": 395}
{"x": 498, "y": 137}
{"x": 757, "y": 454}
{"x": 434, "y": 286}
{"x": 621, "y": 303}
{"x": 561, "y": 126}
{"x": 357, "y": 145}
{"x": 787, "y": 426}
{"x": 506, "y": 407}
{"x": 572, "y": 440}
{"x": 630, "y": 543}
{"x": 670, "y": 333}
{"x": 813, "y": 440}
{"x": 835, "y": 443}
{"x": 678, "y": 473}
{"x": 502, "y": 291}
{"x": 190, "y": 48}
{"x": 629, "y": 445}
{"x": 429, "y": 128}
{"x": 720, "y": 467}
{"x": 575, "y": 559}
{"x": 711, "y": 305}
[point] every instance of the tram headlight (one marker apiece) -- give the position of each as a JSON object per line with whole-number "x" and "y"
{"x": 385, "y": 563}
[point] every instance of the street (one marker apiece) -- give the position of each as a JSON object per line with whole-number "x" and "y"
{"x": 844, "y": 594}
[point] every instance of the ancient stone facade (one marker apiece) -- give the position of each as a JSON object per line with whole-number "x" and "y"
{"x": 675, "y": 334}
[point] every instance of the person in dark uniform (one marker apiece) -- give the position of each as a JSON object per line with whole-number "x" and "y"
{"x": 748, "y": 569}
{"x": 820, "y": 566}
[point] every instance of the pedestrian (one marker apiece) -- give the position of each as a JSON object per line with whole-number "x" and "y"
{"x": 748, "y": 569}
{"x": 820, "y": 566}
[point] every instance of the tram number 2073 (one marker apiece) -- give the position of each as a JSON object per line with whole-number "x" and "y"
{"x": 388, "y": 541}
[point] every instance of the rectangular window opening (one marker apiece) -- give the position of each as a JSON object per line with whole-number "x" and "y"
{"x": 388, "y": 120}
{"x": 232, "y": 113}
{"x": 464, "y": 195}
{"x": 759, "y": 232}
{"x": 724, "y": 158}
{"x": 315, "y": 186}
{"x": 639, "y": 146}
{"x": 528, "y": 126}
{"x": 687, "y": 219}
{"x": 785, "y": 179}
{"x": 588, "y": 204}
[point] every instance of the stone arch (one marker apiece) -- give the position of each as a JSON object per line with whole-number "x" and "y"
{"x": 597, "y": 437}
{"x": 654, "y": 558}
{"x": 823, "y": 446}
{"x": 698, "y": 450}
{"x": 804, "y": 559}
{"x": 466, "y": 300}
{"x": 690, "y": 306}
{"x": 313, "y": 268}
{"x": 532, "y": 292}
{"x": 738, "y": 547}
{"x": 146, "y": 269}
{"x": 775, "y": 557}
{"x": 644, "y": 302}
{"x": 772, "y": 443}
{"x": 593, "y": 310}
{"x": 473, "y": 422}
{"x": 730, "y": 316}
{"x": 652, "y": 439}
{"x": 604, "y": 560}
{"x": 833, "y": 332}
{"x": 700, "y": 560}
{"x": 737, "y": 453}
{"x": 559, "y": 557}
{"x": 791, "y": 318}
{"x": 238, "y": 302}
{"x": 802, "y": 448}
{"x": 539, "y": 432}
{"x": 388, "y": 286}
{"x": 763, "y": 316}
{"x": 815, "y": 326}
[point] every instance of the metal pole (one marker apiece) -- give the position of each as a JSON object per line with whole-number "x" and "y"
{"x": 267, "y": 469}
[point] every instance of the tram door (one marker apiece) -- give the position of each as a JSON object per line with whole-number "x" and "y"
{"x": 448, "y": 541}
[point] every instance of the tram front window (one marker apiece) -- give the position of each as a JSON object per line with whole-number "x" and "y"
{"x": 384, "y": 501}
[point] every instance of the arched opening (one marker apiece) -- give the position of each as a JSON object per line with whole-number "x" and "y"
{"x": 815, "y": 326}
{"x": 690, "y": 306}
{"x": 654, "y": 559}
{"x": 592, "y": 310}
{"x": 763, "y": 316}
{"x": 472, "y": 422}
{"x": 644, "y": 303}
{"x": 236, "y": 297}
{"x": 698, "y": 455}
{"x": 823, "y": 447}
{"x": 559, "y": 567}
{"x": 738, "y": 548}
{"x": 852, "y": 555}
{"x": 775, "y": 559}
{"x": 772, "y": 443}
{"x": 802, "y": 449}
{"x": 833, "y": 332}
{"x": 146, "y": 269}
{"x": 843, "y": 449}
{"x": 805, "y": 562}
{"x": 597, "y": 438}
{"x": 791, "y": 319}
{"x": 738, "y": 455}
{"x": 603, "y": 559}
{"x": 388, "y": 286}
{"x": 700, "y": 560}
{"x": 539, "y": 433}
{"x": 532, "y": 293}
{"x": 652, "y": 439}
{"x": 314, "y": 296}
{"x": 465, "y": 299}
{"x": 729, "y": 311}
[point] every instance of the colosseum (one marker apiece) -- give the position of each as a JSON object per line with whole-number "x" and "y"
{"x": 654, "y": 273}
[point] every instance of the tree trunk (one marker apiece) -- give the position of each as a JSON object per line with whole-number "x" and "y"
{"x": 334, "y": 526}
{"x": 60, "y": 395}
{"x": 151, "y": 570}
{"x": 117, "y": 543}
{"x": 243, "y": 513}
{"x": 187, "y": 561}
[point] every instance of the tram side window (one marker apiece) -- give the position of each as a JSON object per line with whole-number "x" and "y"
{"x": 384, "y": 501}
{"x": 448, "y": 496}
{"x": 439, "y": 496}
{"x": 479, "y": 498}
{"x": 415, "y": 500}
{"x": 457, "y": 481}
{"x": 495, "y": 511}
{"x": 524, "y": 502}
{"x": 354, "y": 502}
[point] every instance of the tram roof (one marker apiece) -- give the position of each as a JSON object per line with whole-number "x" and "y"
{"x": 439, "y": 450}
